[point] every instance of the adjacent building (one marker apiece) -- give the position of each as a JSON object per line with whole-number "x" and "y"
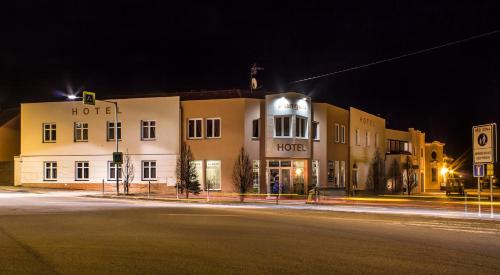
{"x": 9, "y": 144}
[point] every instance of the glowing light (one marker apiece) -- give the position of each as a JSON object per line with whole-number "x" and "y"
{"x": 71, "y": 97}
{"x": 298, "y": 171}
{"x": 444, "y": 170}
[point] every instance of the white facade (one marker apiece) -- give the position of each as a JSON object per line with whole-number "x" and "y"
{"x": 93, "y": 145}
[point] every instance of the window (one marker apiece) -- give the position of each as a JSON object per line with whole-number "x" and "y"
{"x": 50, "y": 172}
{"x": 300, "y": 127}
{"x": 342, "y": 134}
{"x": 194, "y": 128}
{"x": 213, "y": 128}
{"x": 367, "y": 139}
{"x": 148, "y": 129}
{"x": 282, "y": 126}
{"x": 315, "y": 130}
{"x": 376, "y": 140}
{"x": 421, "y": 152}
{"x": 255, "y": 128}
{"x": 342, "y": 173}
{"x": 256, "y": 174}
{"x": 434, "y": 174}
{"x": 49, "y": 132}
{"x": 113, "y": 168}
{"x": 212, "y": 172}
{"x": 111, "y": 130}
{"x": 315, "y": 172}
{"x": 357, "y": 137}
{"x": 148, "y": 170}
{"x": 198, "y": 167}
{"x": 337, "y": 133}
{"x": 337, "y": 174}
{"x": 82, "y": 170}
{"x": 81, "y": 131}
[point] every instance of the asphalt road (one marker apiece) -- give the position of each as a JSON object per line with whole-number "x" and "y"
{"x": 59, "y": 233}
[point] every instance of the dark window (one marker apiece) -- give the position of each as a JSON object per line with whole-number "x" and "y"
{"x": 255, "y": 128}
{"x": 434, "y": 174}
{"x": 213, "y": 128}
{"x": 315, "y": 130}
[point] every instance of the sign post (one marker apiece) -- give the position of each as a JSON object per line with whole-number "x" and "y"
{"x": 484, "y": 140}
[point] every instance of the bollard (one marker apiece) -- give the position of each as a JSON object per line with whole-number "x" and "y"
{"x": 149, "y": 189}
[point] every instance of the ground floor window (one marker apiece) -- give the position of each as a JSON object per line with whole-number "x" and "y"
{"x": 434, "y": 174}
{"x": 82, "y": 170}
{"x": 149, "y": 170}
{"x": 315, "y": 172}
{"x": 198, "y": 167}
{"x": 213, "y": 174}
{"x": 342, "y": 173}
{"x": 114, "y": 168}
{"x": 256, "y": 174}
{"x": 337, "y": 173}
{"x": 50, "y": 168}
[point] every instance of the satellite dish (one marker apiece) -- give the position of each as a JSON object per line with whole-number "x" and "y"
{"x": 254, "y": 83}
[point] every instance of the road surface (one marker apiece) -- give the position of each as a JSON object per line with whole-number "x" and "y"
{"x": 60, "y": 233}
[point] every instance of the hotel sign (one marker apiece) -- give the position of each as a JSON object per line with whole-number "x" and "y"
{"x": 291, "y": 147}
{"x": 484, "y": 142}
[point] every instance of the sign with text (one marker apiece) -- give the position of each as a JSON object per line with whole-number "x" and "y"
{"x": 484, "y": 143}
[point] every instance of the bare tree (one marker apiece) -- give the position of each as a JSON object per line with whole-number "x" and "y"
{"x": 127, "y": 172}
{"x": 242, "y": 174}
{"x": 411, "y": 182}
{"x": 396, "y": 175}
{"x": 187, "y": 178}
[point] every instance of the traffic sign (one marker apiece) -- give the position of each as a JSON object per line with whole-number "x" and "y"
{"x": 117, "y": 158}
{"x": 88, "y": 98}
{"x": 490, "y": 170}
{"x": 478, "y": 171}
{"x": 484, "y": 140}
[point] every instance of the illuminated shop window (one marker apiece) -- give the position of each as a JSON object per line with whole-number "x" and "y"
{"x": 49, "y": 132}
{"x": 148, "y": 130}
{"x": 300, "y": 127}
{"x": 195, "y": 128}
{"x": 149, "y": 170}
{"x": 213, "y": 128}
{"x": 256, "y": 174}
{"x": 337, "y": 174}
{"x": 113, "y": 169}
{"x": 282, "y": 126}
{"x": 81, "y": 131}
{"x": 111, "y": 130}
{"x": 315, "y": 173}
{"x": 82, "y": 170}
{"x": 198, "y": 167}
{"x": 342, "y": 174}
{"x": 213, "y": 173}
{"x": 50, "y": 170}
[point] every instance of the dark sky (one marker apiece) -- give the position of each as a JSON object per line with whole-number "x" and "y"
{"x": 120, "y": 47}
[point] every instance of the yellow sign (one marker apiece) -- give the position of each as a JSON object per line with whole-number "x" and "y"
{"x": 88, "y": 98}
{"x": 490, "y": 170}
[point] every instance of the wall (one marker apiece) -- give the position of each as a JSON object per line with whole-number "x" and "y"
{"x": 430, "y": 163}
{"x": 9, "y": 146}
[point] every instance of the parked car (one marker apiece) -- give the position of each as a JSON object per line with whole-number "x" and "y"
{"x": 455, "y": 185}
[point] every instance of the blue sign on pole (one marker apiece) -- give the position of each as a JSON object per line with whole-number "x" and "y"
{"x": 478, "y": 171}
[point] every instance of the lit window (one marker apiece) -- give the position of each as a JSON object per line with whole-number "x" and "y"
{"x": 337, "y": 133}
{"x": 49, "y": 132}
{"x": 300, "y": 127}
{"x": 212, "y": 174}
{"x": 255, "y": 128}
{"x": 194, "y": 128}
{"x": 342, "y": 173}
{"x": 315, "y": 130}
{"x": 337, "y": 174}
{"x": 342, "y": 134}
{"x": 213, "y": 128}
{"x": 111, "y": 130}
{"x": 282, "y": 126}
{"x": 148, "y": 129}
{"x": 50, "y": 172}
{"x": 256, "y": 174}
{"x": 114, "y": 168}
{"x": 198, "y": 167}
{"x": 81, "y": 131}
{"x": 149, "y": 170}
{"x": 82, "y": 170}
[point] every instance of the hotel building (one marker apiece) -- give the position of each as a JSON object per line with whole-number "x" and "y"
{"x": 290, "y": 140}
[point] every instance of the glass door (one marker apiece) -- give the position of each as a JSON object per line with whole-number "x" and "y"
{"x": 274, "y": 180}
{"x": 286, "y": 181}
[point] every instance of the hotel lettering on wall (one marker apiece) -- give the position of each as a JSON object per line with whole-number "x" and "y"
{"x": 92, "y": 110}
{"x": 291, "y": 147}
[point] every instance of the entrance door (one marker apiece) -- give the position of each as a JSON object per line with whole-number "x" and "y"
{"x": 274, "y": 179}
{"x": 286, "y": 180}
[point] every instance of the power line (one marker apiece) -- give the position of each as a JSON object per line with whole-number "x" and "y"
{"x": 398, "y": 57}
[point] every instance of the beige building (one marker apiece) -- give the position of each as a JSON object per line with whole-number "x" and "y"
{"x": 9, "y": 144}
{"x": 436, "y": 161}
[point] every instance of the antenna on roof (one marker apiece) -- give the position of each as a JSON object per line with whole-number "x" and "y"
{"x": 253, "y": 77}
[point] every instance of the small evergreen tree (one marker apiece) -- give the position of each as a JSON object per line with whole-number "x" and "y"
{"x": 187, "y": 178}
{"x": 242, "y": 174}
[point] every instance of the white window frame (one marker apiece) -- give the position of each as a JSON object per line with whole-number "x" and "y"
{"x": 317, "y": 130}
{"x": 108, "y": 130}
{"x": 85, "y": 165}
{"x": 342, "y": 134}
{"x": 81, "y": 127}
{"x": 298, "y": 127}
{"x": 357, "y": 137}
{"x": 200, "y": 120}
{"x": 290, "y": 129}
{"x": 150, "y": 168}
{"x": 52, "y": 132}
{"x": 258, "y": 128}
{"x": 213, "y": 119}
{"x": 149, "y": 128}
{"x": 111, "y": 176}
{"x": 337, "y": 133}
{"x": 49, "y": 165}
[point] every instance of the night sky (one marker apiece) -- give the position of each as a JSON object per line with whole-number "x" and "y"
{"x": 131, "y": 47}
